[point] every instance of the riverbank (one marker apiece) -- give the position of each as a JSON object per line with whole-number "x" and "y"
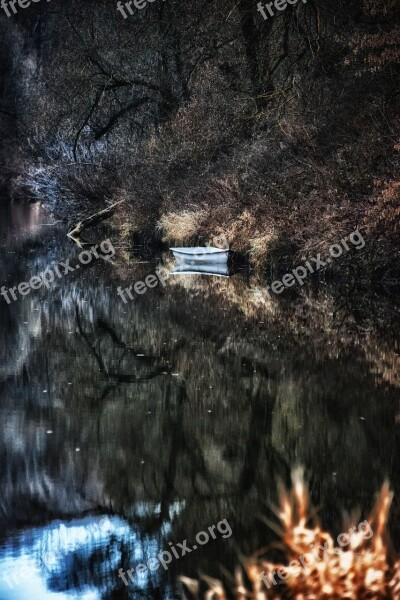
{"x": 281, "y": 135}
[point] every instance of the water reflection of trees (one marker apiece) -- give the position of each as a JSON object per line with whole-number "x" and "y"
{"x": 131, "y": 387}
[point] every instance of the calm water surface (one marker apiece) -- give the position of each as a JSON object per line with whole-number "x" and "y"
{"x": 128, "y": 426}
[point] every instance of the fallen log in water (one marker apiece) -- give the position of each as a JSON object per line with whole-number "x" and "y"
{"x": 93, "y": 220}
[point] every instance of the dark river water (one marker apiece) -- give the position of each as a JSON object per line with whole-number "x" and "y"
{"x": 128, "y": 427}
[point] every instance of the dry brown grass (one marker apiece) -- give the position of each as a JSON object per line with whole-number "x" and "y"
{"x": 360, "y": 570}
{"x": 382, "y": 220}
{"x": 259, "y": 247}
{"x": 181, "y": 226}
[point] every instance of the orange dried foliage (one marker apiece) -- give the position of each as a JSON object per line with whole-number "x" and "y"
{"x": 359, "y": 571}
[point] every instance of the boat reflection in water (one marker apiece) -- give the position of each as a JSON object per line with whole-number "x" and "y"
{"x": 220, "y": 269}
{"x": 80, "y": 559}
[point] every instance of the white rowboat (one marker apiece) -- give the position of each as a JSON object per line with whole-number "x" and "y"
{"x": 201, "y": 254}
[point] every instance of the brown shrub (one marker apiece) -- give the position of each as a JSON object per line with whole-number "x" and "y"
{"x": 382, "y": 222}
{"x": 358, "y": 571}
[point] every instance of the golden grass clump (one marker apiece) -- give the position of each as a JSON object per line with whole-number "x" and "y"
{"x": 316, "y": 566}
{"x": 247, "y": 234}
{"x": 259, "y": 248}
{"x": 181, "y": 226}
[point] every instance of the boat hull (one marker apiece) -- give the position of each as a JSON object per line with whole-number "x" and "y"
{"x": 204, "y": 255}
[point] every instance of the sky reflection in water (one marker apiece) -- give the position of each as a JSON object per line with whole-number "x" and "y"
{"x": 77, "y": 559}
